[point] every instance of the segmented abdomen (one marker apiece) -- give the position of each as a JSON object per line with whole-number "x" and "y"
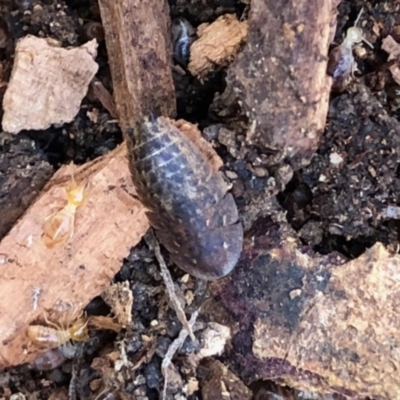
{"x": 45, "y": 336}
{"x": 193, "y": 216}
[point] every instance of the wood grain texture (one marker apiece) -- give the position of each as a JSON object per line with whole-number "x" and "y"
{"x": 218, "y": 44}
{"x": 280, "y": 77}
{"x": 139, "y": 50}
{"x": 37, "y": 281}
{"x": 47, "y": 83}
{"x": 318, "y": 323}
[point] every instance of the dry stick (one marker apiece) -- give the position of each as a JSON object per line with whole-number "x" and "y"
{"x": 138, "y": 39}
{"x": 169, "y": 283}
{"x": 175, "y": 346}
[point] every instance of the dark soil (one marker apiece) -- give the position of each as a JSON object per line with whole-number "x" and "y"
{"x": 333, "y": 207}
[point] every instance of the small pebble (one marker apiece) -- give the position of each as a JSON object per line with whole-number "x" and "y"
{"x": 260, "y": 172}
{"x": 335, "y": 158}
{"x": 231, "y": 175}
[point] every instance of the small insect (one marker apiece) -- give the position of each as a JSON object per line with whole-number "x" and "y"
{"x": 183, "y": 35}
{"x": 341, "y": 63}
{"x": 52, "y": 337}
{"x": 188, "y": 205}
{"x": 60, "y": 226}
{"x": 49, "y": 360}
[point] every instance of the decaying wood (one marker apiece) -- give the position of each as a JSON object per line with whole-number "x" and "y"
{"x": 316, "y": 323}
{"x": 57, "y": 283}
{"x": 280, "y": 77}
{"x": 320, "y": 323}
{"x": 47, "y": 83}
{"x": 119, "y": 297}
{"x": 347, "y": 334}
{"x": 139, "y": 51}
{"x": 103, "y": 322}
{"x": 218, "y": 43}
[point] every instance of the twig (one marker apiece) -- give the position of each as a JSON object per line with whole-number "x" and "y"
{"x": 169, "y": 283}
{"x": 175, "y": 346}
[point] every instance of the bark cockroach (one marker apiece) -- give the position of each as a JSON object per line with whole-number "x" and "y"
{"x": 188, "y": 205}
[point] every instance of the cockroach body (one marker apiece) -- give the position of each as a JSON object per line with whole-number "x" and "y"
{"x": 188, "y": 205}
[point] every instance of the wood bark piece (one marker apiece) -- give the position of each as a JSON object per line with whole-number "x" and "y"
{"x": 57, "y": 283}
{"x": 119, "y": 297}
{"x": 218, "y": 43}
{"x": 139, "y": 50}
{"x": 315, "y": 323}
{"x": 347, "y": 334}
{"x": 47, "y": 83}
{"x": 280, "y": 77}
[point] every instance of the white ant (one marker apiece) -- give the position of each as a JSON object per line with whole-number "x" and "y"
{"x": 341, "y": 63}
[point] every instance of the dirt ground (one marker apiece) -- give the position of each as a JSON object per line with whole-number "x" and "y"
{"x": 336, "y": 204}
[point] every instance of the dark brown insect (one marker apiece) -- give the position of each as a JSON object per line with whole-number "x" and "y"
{"x": 341, "y": 62}
{"x": 188, "y": 205}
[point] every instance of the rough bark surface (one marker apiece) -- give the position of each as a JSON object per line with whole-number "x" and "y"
{"x": 47, "y": 83}
{"x": 315, "y": 323}
{"x": 139, "y": 50}
{"x": 280, "y": 77}
{"x": 347, "y": 332}
{"x": 57, "y": 283}
{"x": 217, "y": 45}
